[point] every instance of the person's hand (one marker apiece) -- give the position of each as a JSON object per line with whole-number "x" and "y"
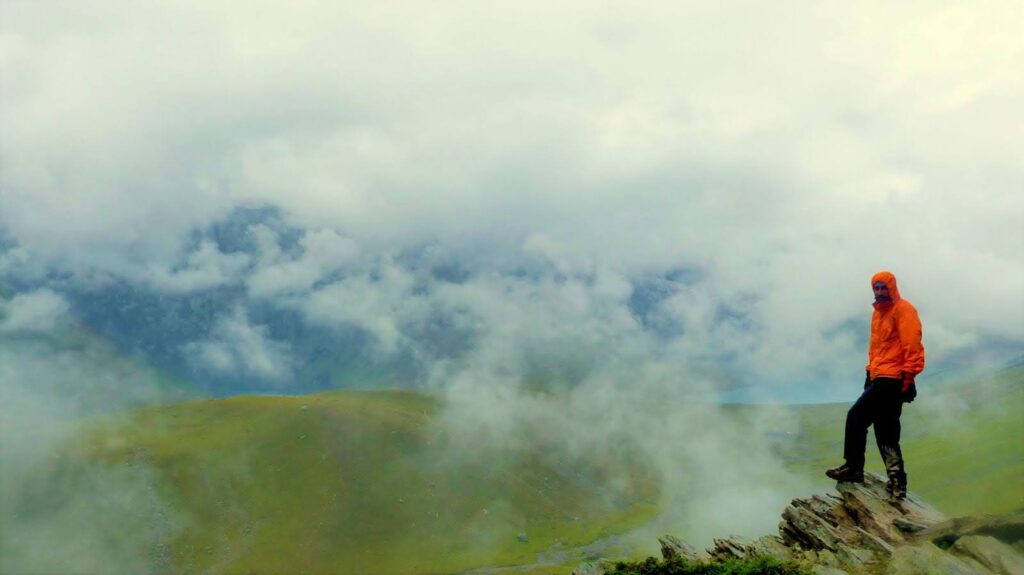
{"x": 867, "y": 378}
{"x": 909, "y": 390}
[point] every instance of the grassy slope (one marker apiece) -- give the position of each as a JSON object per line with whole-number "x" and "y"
{"x": 349, "y": 482}
{"x": 353, "y": 482}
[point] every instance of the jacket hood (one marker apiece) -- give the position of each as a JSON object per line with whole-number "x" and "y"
{"x": 890, "y": 282}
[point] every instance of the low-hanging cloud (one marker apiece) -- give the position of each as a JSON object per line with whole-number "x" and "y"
{"x": 39, "y": 311}
{"x": 322, "y": 252}
{"x": 55, "y": 378}
{"x": 632, "y": 417}
{"x": 241, "y": 349}
{"x": 204, "y": 268}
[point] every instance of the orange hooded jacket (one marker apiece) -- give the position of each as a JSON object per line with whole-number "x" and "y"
{"x": 895, "y": 345}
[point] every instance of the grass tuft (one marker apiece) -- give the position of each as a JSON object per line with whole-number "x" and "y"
{"x": 678, "y": 566}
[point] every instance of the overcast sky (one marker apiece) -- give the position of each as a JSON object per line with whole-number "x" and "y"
{"x": 777, "y": 153}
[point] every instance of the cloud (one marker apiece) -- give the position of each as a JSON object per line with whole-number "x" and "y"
{"x": 627, "y": 419}
{"x": 42, "y": 310}
{"x": 378, "y": 302}
{"x": 204, "y": 268}
{"x": 107, "y": 519}
{"x": 323, "y": 252}
{"x": 240, "y": 349}
{"x": 14, "y": 261}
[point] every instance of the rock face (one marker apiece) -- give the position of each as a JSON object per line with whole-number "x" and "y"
{"x": 862, "y": 530}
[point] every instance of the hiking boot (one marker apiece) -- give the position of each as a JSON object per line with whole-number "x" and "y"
{"x": 845, "y": 473}
{"x": 896, "y": 485}
{"x": 898, "y": 489}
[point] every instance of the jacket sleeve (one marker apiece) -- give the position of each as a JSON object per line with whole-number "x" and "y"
{"x": 871, "y": 334}
{"x": 909, "y": 326}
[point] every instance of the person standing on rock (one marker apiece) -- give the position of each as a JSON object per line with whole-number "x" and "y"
{"x": 895, "y": 358}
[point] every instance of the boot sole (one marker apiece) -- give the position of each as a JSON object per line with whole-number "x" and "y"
{"x": 846, "y": 478}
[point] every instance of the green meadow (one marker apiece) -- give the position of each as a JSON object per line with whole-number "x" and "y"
{"x": 353, "y": 482}
{"x": 367, "y": 482}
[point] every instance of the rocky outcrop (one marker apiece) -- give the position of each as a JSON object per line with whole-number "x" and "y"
{"x": 672, "y": 547}
{"x": 861, "y": 529}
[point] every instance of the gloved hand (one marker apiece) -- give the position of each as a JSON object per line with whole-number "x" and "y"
{"x": 867, "y": 378}
{"x": 909, "y": 390}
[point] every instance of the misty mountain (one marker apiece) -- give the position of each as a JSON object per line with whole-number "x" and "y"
{"x": 252, "y": 303}
{"x": 174, "y": 319}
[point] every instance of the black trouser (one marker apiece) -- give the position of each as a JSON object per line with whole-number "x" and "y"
{"x": 880, "y": 405}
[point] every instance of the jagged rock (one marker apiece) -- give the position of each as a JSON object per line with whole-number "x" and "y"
{"x": 869, "y": 506}
{"x": 992, "y": 553}
{"x": 672, "y": 547}
{"x": 811, "y": 523}
{"x": 928, "y": 559}
{"x": 863, "y": 530}
{"x": 856, "y": 559}
{"x": 1009, "y": 528}
{"x": 823, "y": 558}
{"x": 861, "y": 527}
{"x": 770, "y": 546}
{"x": 727, "y": 549}
{"x": 908, "y": 526}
